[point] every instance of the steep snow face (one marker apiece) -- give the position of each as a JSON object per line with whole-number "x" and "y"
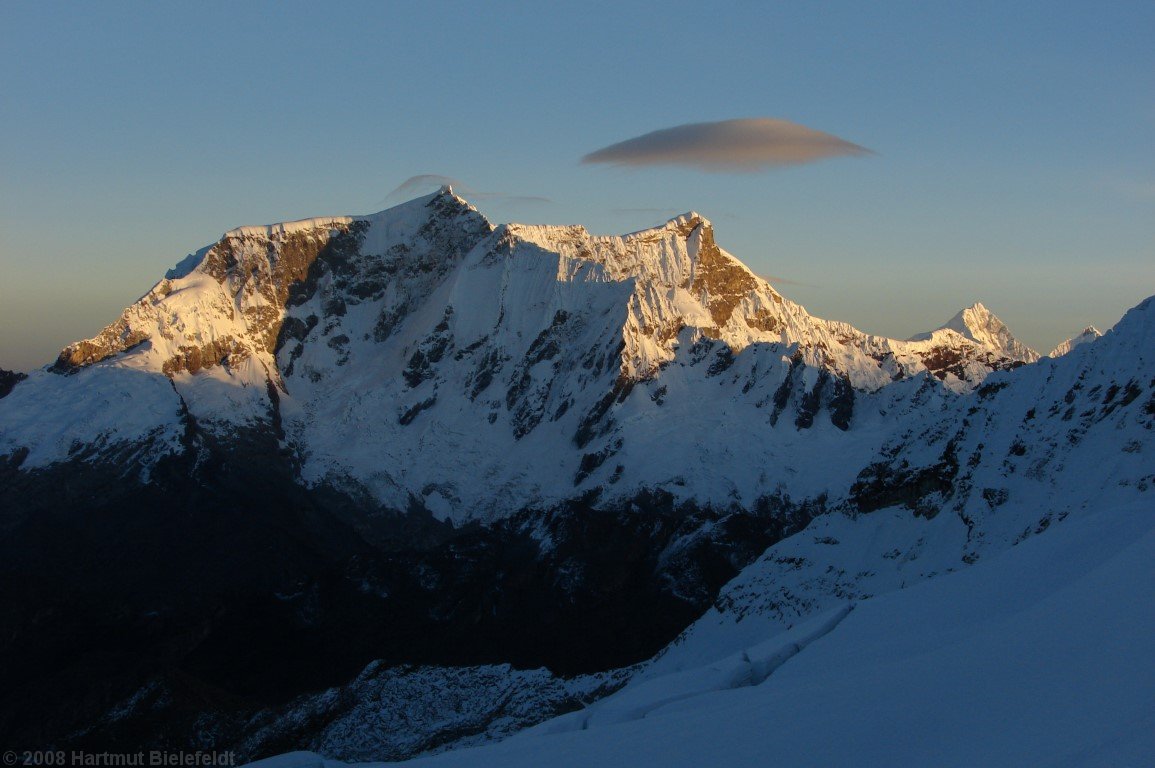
{"x": 1089, "y": 334}
{"x": 387, "y": 351}
{"x": 225, "y": 306}
{"x": 118, "y": 412}
{"x": 978, "y": 324}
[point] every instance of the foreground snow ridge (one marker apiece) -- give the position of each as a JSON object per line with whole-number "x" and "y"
{"x": 996, "y": 665}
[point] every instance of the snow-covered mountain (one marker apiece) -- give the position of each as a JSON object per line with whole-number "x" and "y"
{"x": 391, "y": 349}
{"x": 979, "y": 325}
{"x": 1089, "y": 334}
{"x": 321, "y": 453}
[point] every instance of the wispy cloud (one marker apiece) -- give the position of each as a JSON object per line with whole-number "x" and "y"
{"x": 422, "y": 184}
{"x": 774, "y": 279}
{"x": 426, "y": 183}
{"x": 728, "y": 145}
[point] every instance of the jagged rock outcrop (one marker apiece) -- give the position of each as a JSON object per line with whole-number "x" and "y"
{"x": 9, "y": 380}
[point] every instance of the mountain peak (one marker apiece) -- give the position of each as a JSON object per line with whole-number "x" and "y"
{"x": 974, "y": 318}
{"x": 691, "y": 219}
{"x": 226, "y": 303}
{"x": 980, "y": 325}
{"x": 977, "y": 307}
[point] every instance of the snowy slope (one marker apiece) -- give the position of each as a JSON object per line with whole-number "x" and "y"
{"x": 989, "y": 666}
{"x": 1039, "y": 445}
{"x": 1057, "y": 436}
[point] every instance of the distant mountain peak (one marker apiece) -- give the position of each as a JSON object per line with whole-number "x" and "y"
{"x": 980, "y": 325}
{"x": 1089, "y": 334}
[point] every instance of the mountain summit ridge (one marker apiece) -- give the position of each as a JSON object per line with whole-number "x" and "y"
{"x": 505, "y": 339}
{"x": 679, "y": 254}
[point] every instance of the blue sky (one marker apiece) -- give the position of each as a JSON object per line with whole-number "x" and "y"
{"x": 1013, "y": 142}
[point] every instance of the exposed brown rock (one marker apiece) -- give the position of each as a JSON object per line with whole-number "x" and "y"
{"x": 721, "y": 281}
{"x": 223, "y": 351}
{"x": 113, "y": 339}
{"x": 265, "y": 324}
{"x": 763, "y": 320}
{"x": 943, "y": 360}
{"x": 277, "y": 268}
{"x": 220, "y": 260}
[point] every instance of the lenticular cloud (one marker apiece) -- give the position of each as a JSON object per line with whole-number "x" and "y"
{"x": 729, "y": 145}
